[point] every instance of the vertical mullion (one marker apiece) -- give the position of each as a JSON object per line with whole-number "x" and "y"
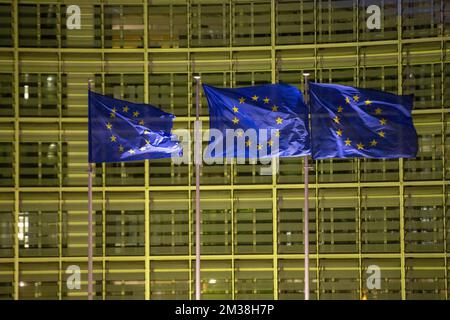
{"x": 316, "y": 163}
{"x": 443, "y": 138}
{"x": 147, "y": 163}
{"x": 60, "y": 157}
{"x": 401, "y": 164}
{"x": 358, "y": 161}
{"x": 16, "y": 149}
{"x": 190, "y": 171}
{"x": 273, "y": 162}
{"x": 102, "y": 15}
{"x": 233, "y": 215}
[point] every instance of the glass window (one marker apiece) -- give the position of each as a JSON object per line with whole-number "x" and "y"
{"x": 291, "y": 279}
{"x": 90, "y": 33}
{"x": 338, "y": 220}
{"x": 125, "y": 223}
{"x": 6, "y": 225}
{"x": 336, "y": 21}
{"x": 251, "y": 25}
{"x": 6, "y": 33}
{"x": 216, "y": 222}
{"x": 38, "y": 281}
{"x": 210, "y": 24}
{"x": 6, "y": 96}
{"x": 380, "y": 223}
{"x": 170, "y": 280}
{"x": 290, "y": 221}
{"x": 425, "y": 279}
{"x": 339, "y": 279}
{"x": 167, "y": 25}
{"x": 295, "y": 22}
{"x": 169, "y": 223}
{"x": 38, "y": 25}
{"x": 424, "y": 219}
{"x": 125, "y": 280}
{"x": 254, "y": 280}
{"x": 124, "y": 26}
{"x": 253, "y": 222}
{"x": 421, "y": 18}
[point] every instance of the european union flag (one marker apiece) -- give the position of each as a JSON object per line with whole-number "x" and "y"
{"x": 275, "y": 111}
{"x": 124, "y": 131}
{"x": 351, "y": 122}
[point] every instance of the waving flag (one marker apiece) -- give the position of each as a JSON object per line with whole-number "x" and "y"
{"x": 124, "y": 131}
{"x": 277, "y": 110}
{"x": 350, "y": 122}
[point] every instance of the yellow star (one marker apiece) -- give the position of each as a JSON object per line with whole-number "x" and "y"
{"x": 339, "y": 133}
{"x": 270, "y": 143}
{"x": 142, "y": 149}
{"x": 337, "y": 119}
{"x": 146, "y": 132}
{"x": 113, "y": 138}
{"x": 383, "y": 121}
{"x": 112, "y": 115}
{"x": 277, "y": 133}
{"x": 235, "y": 120}
{"x": 275, "y": 108}
{"x": 147, "y": 141}
{"x": 131, "y": 151}
{"x": 114, "y": 110}
{"x": 368, "y": 102}
{"x": 340, "y": 109}
{"x": 235, "y": 109}
{"x": 348, "y": 142}
{"x": 259, "y": 147}
{"x": 248, "y": 143}
{"x": 141, "y": 122}
{"x": 125, "y": 109}
{"x": 378, "y": 111}
{"x": 279, "y": 120}
{"x": 109, "y": 126}
{"x": 255, "y": 98}
{"x": 381, "y": 134}
{"x": 241, "y": 100}
{"x": 347, "y": 100}
{"x": 360, "y": 146}
{"x": 240, "y": 133}
{"x": 356, "y": 98}
{"x": 373, "y": 143}
{"x": 120, "y": 148}
{"x": 136, "y": 114}
{"x": 266, "y": 100}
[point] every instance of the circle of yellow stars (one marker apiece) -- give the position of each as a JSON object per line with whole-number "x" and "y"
{"x": 113, "y": 138}
{"x": 255, "y": 98}
{"x": 340, "y": 133}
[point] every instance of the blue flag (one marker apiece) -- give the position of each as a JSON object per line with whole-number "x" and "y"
{"x": 276, "y": 112}
{"x": 349, "y": 122}
{"x": 124, "y": 131}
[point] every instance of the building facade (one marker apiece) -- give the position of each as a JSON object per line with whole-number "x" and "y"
{"x": 391, "y": 214}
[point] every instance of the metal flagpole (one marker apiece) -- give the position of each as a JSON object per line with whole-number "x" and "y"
{"x": 306, "y": 206}
{"x": 90, "y": 262}
{"x": 197, "y": 159}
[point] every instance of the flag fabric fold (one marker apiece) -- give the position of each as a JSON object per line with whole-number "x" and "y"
{"x": 124, "y": 131}
{"x": 277, "y": 108}
{"x": 349, "y": 122}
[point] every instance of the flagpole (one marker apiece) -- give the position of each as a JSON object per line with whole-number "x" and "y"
{"x": 306, "y": 207}
{"x": 197, "y": 159}
{"x": 90, "y": 255}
